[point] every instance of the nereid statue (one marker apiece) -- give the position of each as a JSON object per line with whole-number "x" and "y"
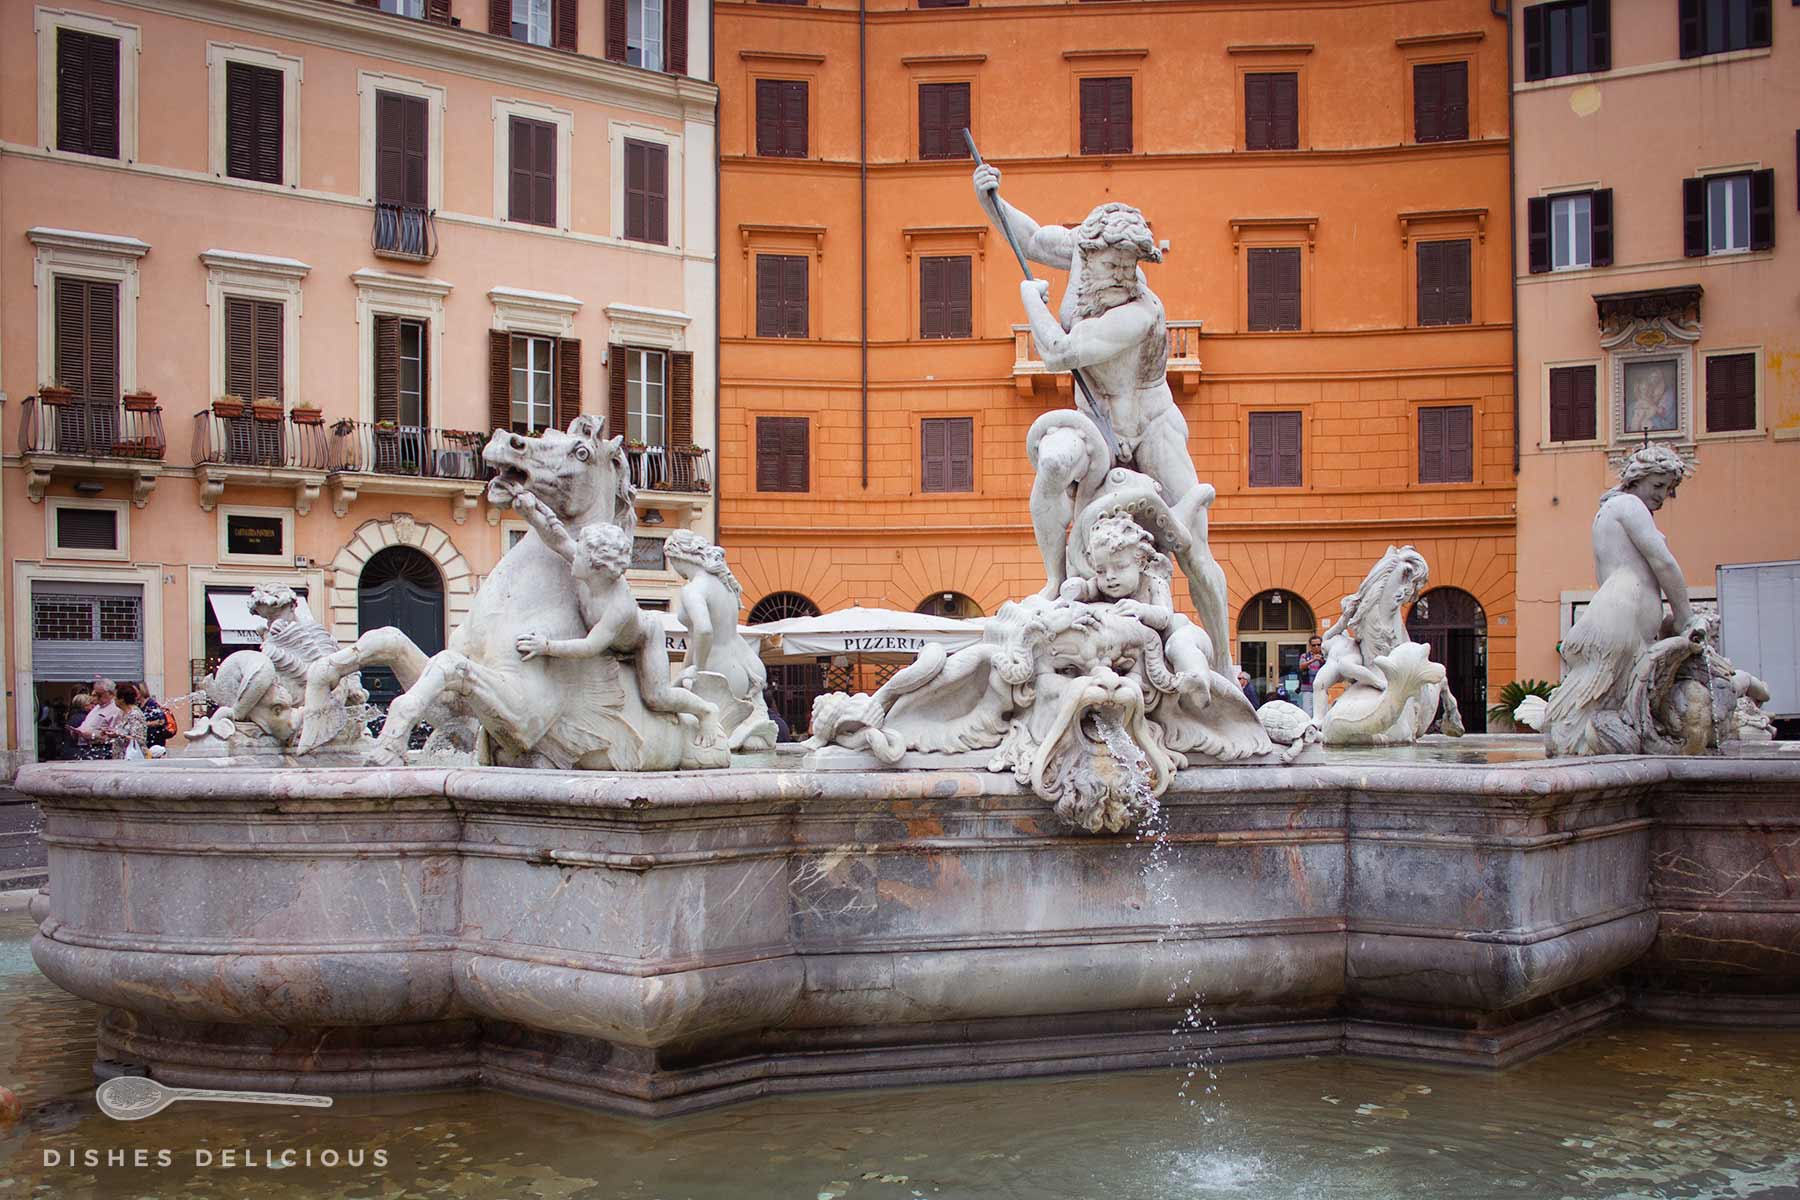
{"x": 1639, "y": 679}
{"x": 720, "y": 665}
{"x": 1395, "y": 691}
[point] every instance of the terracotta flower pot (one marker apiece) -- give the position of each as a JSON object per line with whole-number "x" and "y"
{"x": 228, "y": 406}
{"x": 307, "y": 416}
{"x": 266, "y": 410}
{"x": 55, "y": 395}
{"x": 140, "y": 402}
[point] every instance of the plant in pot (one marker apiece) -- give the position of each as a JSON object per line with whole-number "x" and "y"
{"x": 306, "y": 414}
{"x": 268, "y": 408}
{"x": 55, "y": 395}
{"x": 1500, "y": 716}
{"x": 228, "y": 406}
{"x": 142, "y": 402}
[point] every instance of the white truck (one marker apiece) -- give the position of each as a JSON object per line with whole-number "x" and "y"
{"x": 1759, "y": 628}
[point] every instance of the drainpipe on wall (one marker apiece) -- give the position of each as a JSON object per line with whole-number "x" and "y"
{"x": 862, "y": 158}
{"x": 1503, "y": 10}
{"x": 712, "y": 74}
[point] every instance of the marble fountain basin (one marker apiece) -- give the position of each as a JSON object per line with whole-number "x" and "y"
{"x": 657, "y": 943}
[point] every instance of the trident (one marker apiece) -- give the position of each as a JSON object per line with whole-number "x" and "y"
{"x": 1092, "y": 408}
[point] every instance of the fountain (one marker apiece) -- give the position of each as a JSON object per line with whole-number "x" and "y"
{"x": 575, "y": 891}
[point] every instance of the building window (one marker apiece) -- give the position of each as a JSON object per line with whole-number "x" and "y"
{"x": 401, "y": 371}
{"x": 781, "y": 118}
{"x": 1441, "y": 102}
{"x": 402, "y": 173}
{"x": 253, "y": 134}
{"x": 1445, "y": 292}
{"x": 1447, "y": 444}
{"x": 944, "y": 114}
{"x": 782, "y": 454}
{"x": 1106, "y": 115}
{"x": 644, "y": 33}
{"x": 533, "y": 372}
{"x": 1570, "y": 232}
{"x": 646, "y": 398}
{"x": 1727, "y": 214}
{"x": 781, "y": 296}
{"x": 87, "y": 363}
{"x": 1274, "y": 274}
{"x": 414, "y": 9}
{"x": 947, "y": 454}
{"x": 946, "y": 309}
{"x": 1731, "y": 393}
{"x": 1275, "y": 449}
{"x": 531, "y": 172}
{"x": 253, "y": 348}
{"x": 531, "y": 21}
{"x": 92, "y": 530}
{"x": 1718, "y": 26}
{"x": 1574, "y": 409}
{"x": 87, "y": 93}
{"x": 1272, "y": 110}
{"x": 646, "y": 192}
{"x": 1568, "y": 38}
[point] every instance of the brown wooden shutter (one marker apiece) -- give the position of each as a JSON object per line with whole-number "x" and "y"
{"x": 794, "y": 118}
{"x": 960, "y": 469}
{"x": 945, "y": 297}
{"x": 931, "y": 298}
{"x": 1535, "y": 58}
{"x": 679, "y": 432}
{"x": 615, "y": 30}
{"x": 1688, "y": 26}
{"x": 675, "y": 36}
{"x": 959, "y": 311}
{"x": 768, "y": 455}
{"x": 436, "y": 11}
{"x": 499, "y": 380}
{"x": 943, "y": 115}
{"x": 253, "y": 103}
{"x": 1428, "y": 102}
{"x": 1459, "y": 444}
{"x": 1259, "y": 269}
{"x": 402, "y": 147}
{"x": 1537, "y": 239}
{"x": 500, "y": 17}
{"x": 934, "y": 455}
{"x": 781, "y": 118}
{"x": 1573, "y": 415}
{"x": 1258, "y": 113}
{"x": 1118, "y": 116}
{"x": 1093, "y": 116}
{"x": 1445, "y": 291}
{"x": 1287, "y": 449}
{"x": 768, "y": 295}
{"x": 1454, "y": 115}
{"x": 240, "y": 348}
{"x": 1431, "y": 445}
{"x": 531, "y": 173}
{"x": 1762, "y": 209}
{"x": 1285, "y": 108}
{"x": 1601, "y": 231}
{"x": 268, "y": 335}
{"x": 782, "y": 308}
{"x": 1105, "y": 115}
{"x": 647, "y": 192}
{"x": 796, "y": 300}
{"x": 387, "y": 367}
{"x": 768, "y": 117}
{"x": 1730, "y": 393}
{"x": 1431, "y": 283}
{"x": 518, "y": 172}
{"x": 416, "y": 130}
{"x": 568, "y": 381}
{"x": 1459, "y": 292}
{"x": 87, "y": 93}
{"x": 617, "y": 424}
{"x": 1599, "y": 35}
{"x": 1693, "y": 218}
{"x": 72, "y": 334}
{"x": 565, "y": 22}
{"x": 782, "y": 454}
{"x": 1262, "y": 449}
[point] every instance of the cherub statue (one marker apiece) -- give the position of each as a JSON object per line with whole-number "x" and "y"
{"x": 708, "y": 606}
{"x": 293, "y": 644}
{"x": 599, "y": 558}
{"x": 1130, "y": 574}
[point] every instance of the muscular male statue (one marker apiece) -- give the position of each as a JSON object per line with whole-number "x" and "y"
{"x": 1112, "y": 328}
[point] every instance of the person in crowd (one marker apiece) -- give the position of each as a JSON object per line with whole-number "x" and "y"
{"x": 130, "y": 732}
{"x": 157, "y": 726}
{"x": 96, "y": 728}
{"x": 1310, "y": 662}
{"x": 783, "y": 731}
{"x": 1249, "y": 689}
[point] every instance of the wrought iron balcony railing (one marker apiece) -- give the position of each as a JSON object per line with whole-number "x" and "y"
{"x": 58, "y": 422}
{"x": 403, "y": 231}
{"x": 384, "y": 448}
{"x": 265, "y": 440}
{"x": 670, "y": 468}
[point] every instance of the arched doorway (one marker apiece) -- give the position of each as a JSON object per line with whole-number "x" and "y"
{"x": 399, "y": 586}
{"x": 949, "y": 604}
{"x": 1272, "y": 630}
{"x": 1453, "y": 624}
{"x": 793, "y": 684}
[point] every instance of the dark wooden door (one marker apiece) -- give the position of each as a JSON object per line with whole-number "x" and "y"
{"x": 1454, "y": 625}
{"x": 401, "y": 587}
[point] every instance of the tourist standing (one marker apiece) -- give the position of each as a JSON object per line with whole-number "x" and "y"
{"x": 130, "y": 732}
{"x": 1249, "y": 688}
{"x": 96, "y": 729}
{"x": 1310, "y": 663}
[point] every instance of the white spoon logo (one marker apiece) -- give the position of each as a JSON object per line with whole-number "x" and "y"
{"x": 133, "y": 1097}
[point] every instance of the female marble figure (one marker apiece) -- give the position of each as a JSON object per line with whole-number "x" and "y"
{"x": 708, "y": 606}
{"x": 1620, "y": 658}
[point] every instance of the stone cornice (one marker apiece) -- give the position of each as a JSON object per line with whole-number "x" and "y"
{"x": 455, "y": 50}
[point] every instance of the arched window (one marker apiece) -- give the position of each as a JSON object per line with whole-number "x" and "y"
{"x": 949, "y": 604}
{"x": 779, "y": 606}
{"x": 1454, "y": 625}
{"x": 402, "y": 587}
{"x": 793, "y": 685}
{"x": 1273, "y": 627}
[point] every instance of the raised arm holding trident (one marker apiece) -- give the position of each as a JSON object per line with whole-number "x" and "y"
{"x": 1113, "y": 334}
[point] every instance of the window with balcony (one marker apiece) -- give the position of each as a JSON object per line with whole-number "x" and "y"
{"x": 86, "y": 422}
{"x": 1571, "y": 37}
{"x": 1720, "y": 26}
{"x": 402, "y": 176}
{"x": 533, "y": 373}
{"x": 646, "y": 397}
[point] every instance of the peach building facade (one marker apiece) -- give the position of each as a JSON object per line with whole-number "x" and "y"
{"x": 1658, "y": 271}
{"x": 1305, "y": 161}
{"x": 270, "y": 272}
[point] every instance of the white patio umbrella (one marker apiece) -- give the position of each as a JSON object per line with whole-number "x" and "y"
{"x": 873, "y": 633}
{"x": 675, "y": 635}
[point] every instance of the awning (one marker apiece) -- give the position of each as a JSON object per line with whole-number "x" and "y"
{"x": 238, "y": 626}
{"x": 675, "y": 635}
{"x": 870, "y": 632}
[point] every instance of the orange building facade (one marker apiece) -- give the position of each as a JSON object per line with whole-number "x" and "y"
{"x": 837, "y": 401}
